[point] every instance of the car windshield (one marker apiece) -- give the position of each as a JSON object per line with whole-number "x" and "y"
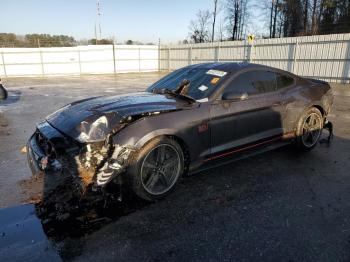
{"x": 202, "y": 81}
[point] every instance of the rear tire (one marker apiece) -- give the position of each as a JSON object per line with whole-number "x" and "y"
{"x": 309, "y": 129}
{"x": 156, "y": 169}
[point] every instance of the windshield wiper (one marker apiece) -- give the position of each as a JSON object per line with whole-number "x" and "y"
{"x": 173, "y": 93}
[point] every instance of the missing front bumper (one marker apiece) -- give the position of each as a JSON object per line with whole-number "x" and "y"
{"x": 115, "y": 166}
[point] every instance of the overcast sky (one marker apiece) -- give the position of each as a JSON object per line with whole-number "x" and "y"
{"x": 142, "y": 20}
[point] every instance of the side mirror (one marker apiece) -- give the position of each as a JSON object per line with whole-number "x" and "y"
{"x": 234, "y": 96}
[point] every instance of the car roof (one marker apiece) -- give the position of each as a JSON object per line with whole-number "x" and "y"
{"x": 230, "y": 67}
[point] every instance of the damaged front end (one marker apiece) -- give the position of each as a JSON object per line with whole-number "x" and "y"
{"x": 91, "y": 160}
{"x": 77, "y": 151}
{"x": 74, "y": 174}
{"x": 90, "y": 164}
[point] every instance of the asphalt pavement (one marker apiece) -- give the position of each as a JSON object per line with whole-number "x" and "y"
{"x": 277, "y": 206}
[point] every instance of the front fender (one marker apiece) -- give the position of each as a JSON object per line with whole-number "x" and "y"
{"x": 137, "y": 134}
{"x": 166, "y": 131}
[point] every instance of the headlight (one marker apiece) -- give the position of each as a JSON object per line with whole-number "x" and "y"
{"x": 93, "y": 132}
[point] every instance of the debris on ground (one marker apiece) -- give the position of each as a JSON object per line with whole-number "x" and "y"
{"x": 68, "y": 206}
{"x": 32, "y": 189}
{"x": 4, "y": 126}
{"x": 24, "y": 150}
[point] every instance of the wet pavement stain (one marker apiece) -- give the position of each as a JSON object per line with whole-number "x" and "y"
{"x": 26, "y": 235}
{"x": 22, "y": 237}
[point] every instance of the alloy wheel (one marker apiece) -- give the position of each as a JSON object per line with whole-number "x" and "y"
{"x": 312, "y": 129}
{"x": 160, "y": 169}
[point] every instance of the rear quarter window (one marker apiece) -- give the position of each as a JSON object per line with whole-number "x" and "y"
{"x": 284, "y": 81}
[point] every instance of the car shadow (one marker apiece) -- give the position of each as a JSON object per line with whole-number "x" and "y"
{"x": 13, "y": 97}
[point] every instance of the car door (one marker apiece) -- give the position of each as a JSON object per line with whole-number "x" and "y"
{"x": 252, "y": 114}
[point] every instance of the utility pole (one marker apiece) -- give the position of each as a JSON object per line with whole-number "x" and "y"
{"x": 98, "y": 21}
{"x": 214, "y": 19}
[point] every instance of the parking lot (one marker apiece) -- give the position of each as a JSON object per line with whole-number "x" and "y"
{"x": 277, "y": 206}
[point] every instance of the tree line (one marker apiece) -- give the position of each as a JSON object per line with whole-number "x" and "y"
{"x": 47, "y": 40}
{"x": 283, "y": 18}
{"x": 35, "y": 40}
{"x": 308, "y": 17}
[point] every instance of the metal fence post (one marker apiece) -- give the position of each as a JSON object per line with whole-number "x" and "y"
{"x": 159, "y": 54}
{"x": 114, "y": 66}
{"x": 191, "y": 60}
{"x": 139, "y": 59}
{"x": 3, "y": 63}
{"x": 248, "y": 51}
{"x": 296, "y": 45}
{"x": 169, "y": 59}
{"x": 251, "y": 53}
{"x": 189, "y": 55}
{"x": 218, "y": 52}
{"x": 41, "y": 62}
{"x": 79, "y": 60}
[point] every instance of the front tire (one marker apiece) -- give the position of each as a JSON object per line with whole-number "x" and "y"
{"x": 157, "y": 169}
{"x": 309, "y": 129}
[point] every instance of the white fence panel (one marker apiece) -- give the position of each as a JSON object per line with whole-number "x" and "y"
{"x": 325, "y": 57}
{"x": 101, "y": 59}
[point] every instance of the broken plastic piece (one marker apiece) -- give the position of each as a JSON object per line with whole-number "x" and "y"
{"x": 114, "y": 166}
{"x": 24, "y": 150}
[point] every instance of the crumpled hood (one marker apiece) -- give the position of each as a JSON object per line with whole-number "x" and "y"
{"x": 78, "y": 118}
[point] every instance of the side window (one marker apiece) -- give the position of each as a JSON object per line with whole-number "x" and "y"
{"x": 283, "y": 81}
{"x": 265, "y": 81}
{"x": 242, "y": 84}
{"x": 253, "y": 82}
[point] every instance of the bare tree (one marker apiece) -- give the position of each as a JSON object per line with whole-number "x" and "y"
{"x": 236, "y": 13}
{"x": 276, "y": 3}
{"x": 314, "y": 16}
{"x": 243, "y": 16}
{"x": 214, "y": 19}
{"x": 199, "y": 31}
{"x": 233, "y": 9}
{"x": 306, "y": 11}
{"x": 271, "y": 16}
{"x": 280, "y": 24}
